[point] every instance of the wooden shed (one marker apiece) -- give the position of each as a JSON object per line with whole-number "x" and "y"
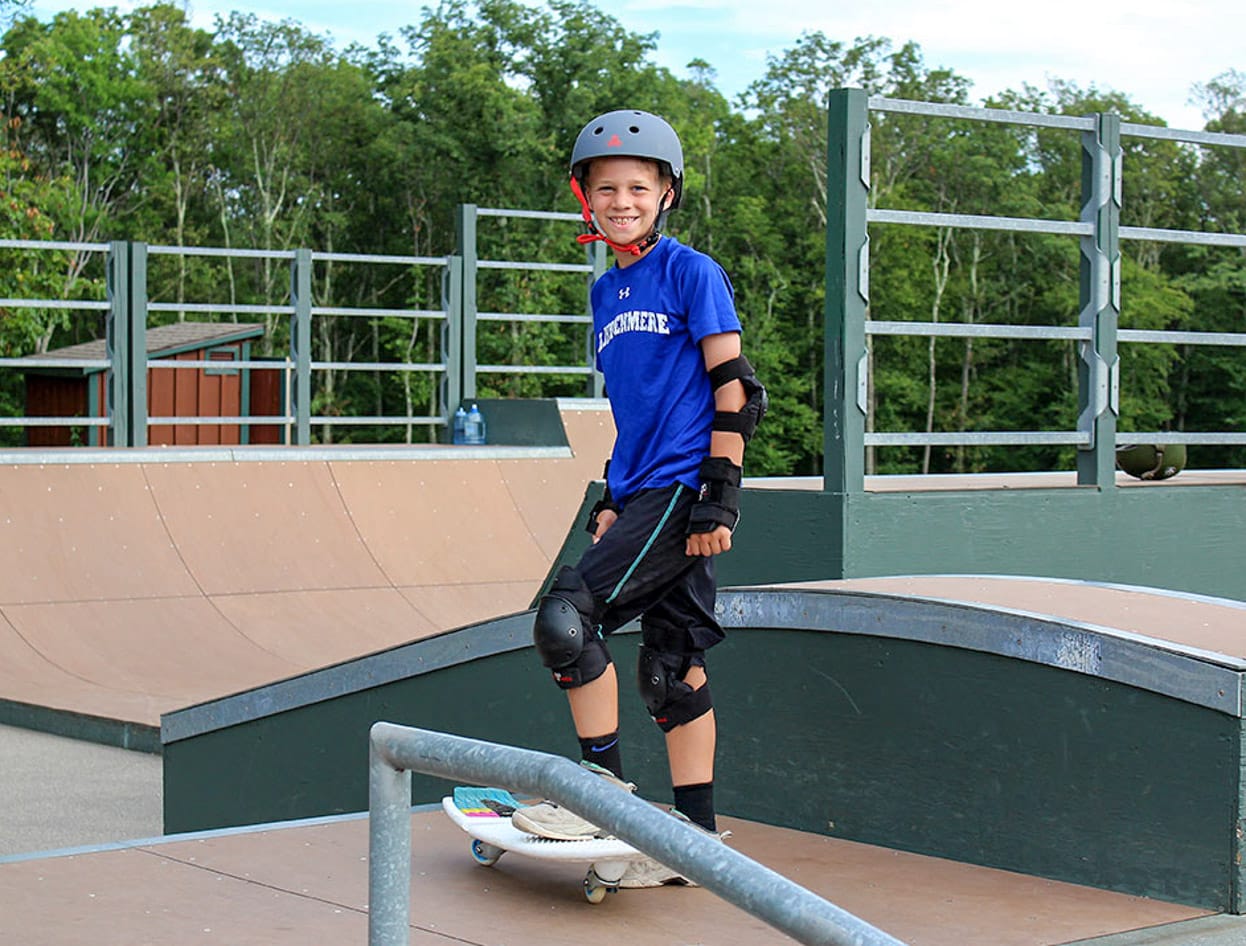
{"x": 171, "y": 392}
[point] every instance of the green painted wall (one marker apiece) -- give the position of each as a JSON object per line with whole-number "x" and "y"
{"x": 313, "y": 760}
{"x": 979, "y": 758}
{"x": 916, "y": 746}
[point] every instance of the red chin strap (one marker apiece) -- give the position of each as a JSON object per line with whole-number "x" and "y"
{"x": 636, "y": 249}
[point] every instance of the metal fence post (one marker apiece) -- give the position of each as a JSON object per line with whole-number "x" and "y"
{"x": 452, "y": 338}
{"x": 1098, "y": 369}
{"x": 137, "y": 345}
{"x": 597, "y": 259}
{"x": 845, "y": 376}
{"x": 117, "y": 346}
{"x": 300, "y": 343}
{"x": 466, "y": 231}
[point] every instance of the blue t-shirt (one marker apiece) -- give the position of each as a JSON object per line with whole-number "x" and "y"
{"x": 648, "y": 322}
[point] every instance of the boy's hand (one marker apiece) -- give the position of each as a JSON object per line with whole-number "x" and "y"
{"x": 605, "y": 519}
{"x": 709, "y": 543}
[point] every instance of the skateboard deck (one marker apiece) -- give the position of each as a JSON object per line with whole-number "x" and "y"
{"x": 484, "y": 813}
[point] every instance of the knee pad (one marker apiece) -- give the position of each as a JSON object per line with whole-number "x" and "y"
{"x": 670, "y": 701}
{"x": 566, "y": 640}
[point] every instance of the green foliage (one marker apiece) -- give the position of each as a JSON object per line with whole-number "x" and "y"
{"x": 261, "y": 136}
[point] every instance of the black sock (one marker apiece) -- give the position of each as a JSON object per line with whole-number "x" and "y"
{"x": 697, "y": 802}
{"x": 603, "y": 751}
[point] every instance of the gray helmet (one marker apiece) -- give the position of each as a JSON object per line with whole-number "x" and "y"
{"x": 1151, "y": 461}
{"x": 631, "y": 134}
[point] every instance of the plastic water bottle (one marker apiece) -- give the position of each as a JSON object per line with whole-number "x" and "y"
{"x": 474, "y": 429}
{"x": 460, "y": 426}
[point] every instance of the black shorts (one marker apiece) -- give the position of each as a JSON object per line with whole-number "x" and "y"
{"x": 639, "y": 568}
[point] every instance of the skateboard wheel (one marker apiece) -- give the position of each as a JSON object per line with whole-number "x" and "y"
{"x": 595, "y": 889}
{"x": 486, "y": 854}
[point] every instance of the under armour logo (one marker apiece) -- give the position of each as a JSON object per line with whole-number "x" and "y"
{"x": 625, "y": 292}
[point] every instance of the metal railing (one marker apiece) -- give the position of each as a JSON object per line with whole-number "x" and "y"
{"x": 469, "y": 216}
{"x": 397, "y": 751}
{"x": 1097, "y": 332}
{"x": 97, "y": 425}
{"x": 126, "y": 361}
{"x": 848, "y": 324}
{"x": 123, "y": 410}
{"x": 302, "y": 312}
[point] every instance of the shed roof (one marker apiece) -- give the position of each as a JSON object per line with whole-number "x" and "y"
{"x": 166, "y": 340}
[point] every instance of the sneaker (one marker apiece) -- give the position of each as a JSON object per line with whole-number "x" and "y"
{"x": 549, "y": 820}
{"x": 646, "y": 872}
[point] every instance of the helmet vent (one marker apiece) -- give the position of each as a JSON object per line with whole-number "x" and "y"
{"x": 634, "y": 130}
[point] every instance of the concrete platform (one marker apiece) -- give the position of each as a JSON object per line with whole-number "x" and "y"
{"x": 67, "y": 793}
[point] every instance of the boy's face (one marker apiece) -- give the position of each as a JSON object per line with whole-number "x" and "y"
{"x": 625, "y": 195}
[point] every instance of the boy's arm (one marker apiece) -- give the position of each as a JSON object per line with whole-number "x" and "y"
{"x": 728, "y": 445}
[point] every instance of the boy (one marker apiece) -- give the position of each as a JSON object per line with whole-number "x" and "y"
{"x": 684, "y": 402}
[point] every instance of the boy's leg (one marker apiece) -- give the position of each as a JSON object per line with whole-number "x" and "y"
{"x": 690, "y": 747}
{"x": 615, "y": 579}
{"x": 595, "y": 713}
{"x": 636, "y": 566}
{"x": 595, "y": 705}
{"x": 572, "y": 646}
{"x": 677, "y": 631}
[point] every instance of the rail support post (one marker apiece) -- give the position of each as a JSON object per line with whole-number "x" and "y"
{"x": 389, "y": 847}
{"x": 1098, "y": 368}
{"x": 847, "y": 291}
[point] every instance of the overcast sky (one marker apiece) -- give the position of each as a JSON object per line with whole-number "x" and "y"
{"x": 1154, "y": 51}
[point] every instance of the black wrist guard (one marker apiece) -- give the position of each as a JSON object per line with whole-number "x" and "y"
{"x": 598, "y": 508}
{"x": 719, "y": 502}
{"x": 606, "y": 502}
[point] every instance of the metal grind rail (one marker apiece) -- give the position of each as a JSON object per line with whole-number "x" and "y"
{"x": 397, "y": 751}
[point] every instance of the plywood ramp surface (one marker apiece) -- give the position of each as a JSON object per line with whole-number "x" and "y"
{"x": 308, "y": 884}
{"x": 131, "y": 589}
{"x": 1208, "y": 624}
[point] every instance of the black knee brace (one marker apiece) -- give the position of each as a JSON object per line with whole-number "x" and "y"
{"x": 664, "y": 661}
{"x": 569, "y": 644}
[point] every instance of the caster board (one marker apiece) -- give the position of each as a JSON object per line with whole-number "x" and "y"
{"x": 484, "y": 813}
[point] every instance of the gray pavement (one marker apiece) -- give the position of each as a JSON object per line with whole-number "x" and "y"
{"x": 61, "y": 793}
{"x": 1218, "y": 930}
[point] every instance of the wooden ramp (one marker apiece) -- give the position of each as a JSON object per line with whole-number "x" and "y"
{"x": 133, "y": 586}
{"x": 308, "y": 884}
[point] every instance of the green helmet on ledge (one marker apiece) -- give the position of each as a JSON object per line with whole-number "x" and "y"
{"x": 1151, "y": 461}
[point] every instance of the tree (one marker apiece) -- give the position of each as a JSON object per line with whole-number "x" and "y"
{"x": 183, "y": 71}
{"x": 262, "y": 136}
{"x": 32, "y": 207}
{"x": 73, "y": 84}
